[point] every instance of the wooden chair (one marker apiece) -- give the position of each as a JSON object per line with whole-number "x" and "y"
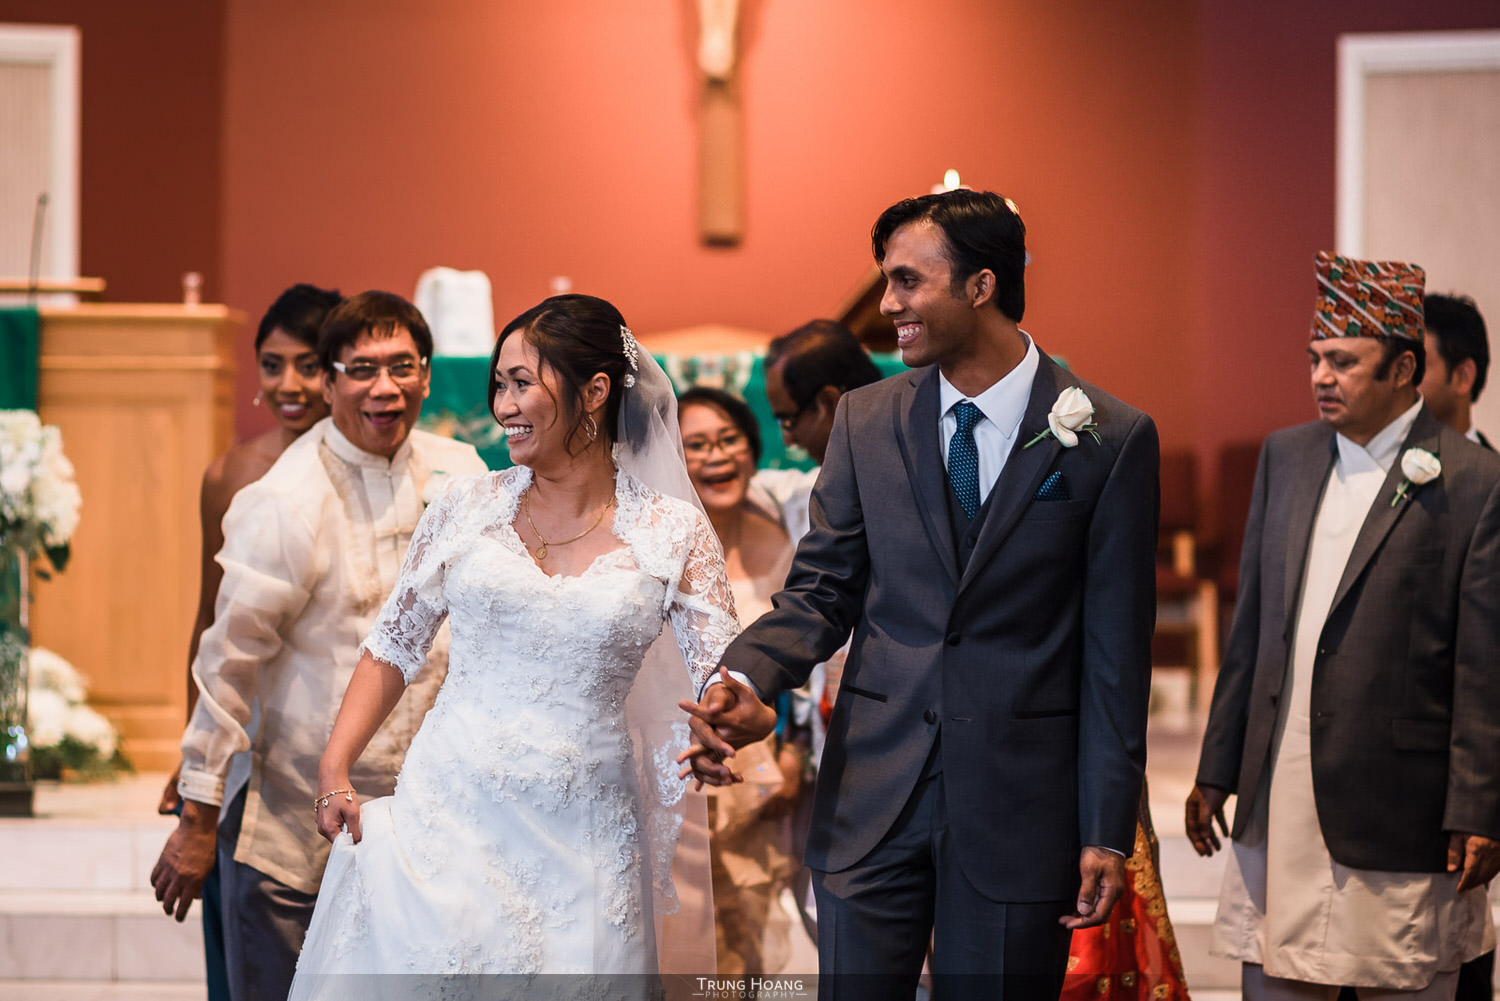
{"x": 1187, "y": 602}
{"x": 1235, "y": 482}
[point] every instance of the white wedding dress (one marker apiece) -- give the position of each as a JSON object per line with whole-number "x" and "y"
{"x": 534, "y": 820}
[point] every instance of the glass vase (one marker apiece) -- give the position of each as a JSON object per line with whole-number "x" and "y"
{"x": 15, "y": 646}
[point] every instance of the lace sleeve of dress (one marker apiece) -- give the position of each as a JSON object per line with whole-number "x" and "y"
{"x": 414, "y": 612}
{"x": 701, "y": 609}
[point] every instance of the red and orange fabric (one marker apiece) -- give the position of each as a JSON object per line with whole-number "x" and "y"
{"x": 1133, "y": 956}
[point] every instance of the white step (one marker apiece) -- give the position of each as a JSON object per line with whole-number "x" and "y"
{"x": 76, "y": 906}
{"x": 100, "y": 936}
{"x": 62, "y": 990}
{"x": 1192, "y": 888}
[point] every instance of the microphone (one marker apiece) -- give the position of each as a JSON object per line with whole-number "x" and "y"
{"x": 36, "y": 246}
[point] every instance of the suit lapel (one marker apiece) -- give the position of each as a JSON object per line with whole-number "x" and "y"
{"x": 1383, "y": 517}
{"x": 916, "y": 420}
{"x": 1024, "y": 469}
{"x": 1310, "y": 479}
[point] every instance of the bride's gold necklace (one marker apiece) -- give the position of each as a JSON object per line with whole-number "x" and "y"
{"x": 540, "y": 552}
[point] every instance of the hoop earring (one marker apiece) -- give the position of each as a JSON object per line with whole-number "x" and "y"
{"x": 590, "y": 427}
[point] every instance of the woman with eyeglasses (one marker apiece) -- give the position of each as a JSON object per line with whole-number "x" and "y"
{"x": 750, "y": 834}
{"x": 291, "y": 390}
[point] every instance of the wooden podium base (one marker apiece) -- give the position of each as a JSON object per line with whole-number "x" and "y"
{"x": 143, "y": 395}
{"x": 16, "y": 799}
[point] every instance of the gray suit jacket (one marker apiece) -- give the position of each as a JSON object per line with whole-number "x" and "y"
{"x": 1033, "y": 662}
{"x": 1405, "y": 737}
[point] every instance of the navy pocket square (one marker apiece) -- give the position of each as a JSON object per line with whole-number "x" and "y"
{"x": 1054, "y": 489}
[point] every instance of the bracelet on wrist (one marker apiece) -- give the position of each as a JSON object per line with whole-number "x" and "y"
{"x": 324, "y": 799}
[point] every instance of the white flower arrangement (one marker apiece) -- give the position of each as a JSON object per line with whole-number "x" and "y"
{"x": 64, "y": 732}
{"x": 39, "y": 497}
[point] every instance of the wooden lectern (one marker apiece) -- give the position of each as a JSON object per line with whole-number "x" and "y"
{"x": 143, "y": 396}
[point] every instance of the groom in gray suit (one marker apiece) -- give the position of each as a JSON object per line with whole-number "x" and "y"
{"x": 1354, "y": 713}
{"x": 985, "y": 526}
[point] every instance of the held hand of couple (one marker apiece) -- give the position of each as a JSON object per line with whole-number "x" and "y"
{"x": 729, "y": 715}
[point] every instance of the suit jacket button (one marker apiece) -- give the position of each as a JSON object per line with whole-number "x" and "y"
{"x": 954, "y": 639}
{"x": 930, "y": 716}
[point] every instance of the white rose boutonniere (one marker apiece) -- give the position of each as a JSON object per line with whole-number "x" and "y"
{"x": 436, "y": 484}
{"x": 1420, "y": 466}
{"x": 1072, "y": 413}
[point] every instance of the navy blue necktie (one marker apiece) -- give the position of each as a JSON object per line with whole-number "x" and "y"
{"x": 963, "y": 457}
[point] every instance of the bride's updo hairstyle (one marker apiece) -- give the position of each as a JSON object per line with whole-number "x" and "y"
{"x": 576, "y": 336}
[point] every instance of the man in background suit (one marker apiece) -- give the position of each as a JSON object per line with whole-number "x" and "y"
{"x": 808, "y": 371}
{"x": 983, "y": 767}
{"x": 1458, "y": 359}
{"x": 1354, "y": 710}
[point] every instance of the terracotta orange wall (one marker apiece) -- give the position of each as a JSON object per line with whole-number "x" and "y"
{"x": 151, "y": 80}
{"x": 1176, "y": 171}
{"x": 368, "y": 141}
{"x": 1266, "y": 120}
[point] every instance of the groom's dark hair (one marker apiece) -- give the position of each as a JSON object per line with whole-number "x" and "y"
{"x": 982, "y": 230}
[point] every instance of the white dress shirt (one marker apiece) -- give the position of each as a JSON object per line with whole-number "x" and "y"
{"x": 1003, "y": 406}
{"x": 784, "y": 494}
{"x": 311, "y": 550}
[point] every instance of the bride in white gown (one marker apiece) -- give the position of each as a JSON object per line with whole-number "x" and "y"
{"x": 534, "y": 824}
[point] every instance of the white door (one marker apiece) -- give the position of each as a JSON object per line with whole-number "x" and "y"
{"x": 1419, "y": 166}
{"x": 39, "y": 152}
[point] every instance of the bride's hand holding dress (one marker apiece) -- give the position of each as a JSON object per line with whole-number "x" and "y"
{"x": 373, "y": 692}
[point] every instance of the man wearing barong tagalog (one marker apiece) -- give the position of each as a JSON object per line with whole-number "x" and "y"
{"x": 1354, "y": 714}
{"x": 311, "y": 550}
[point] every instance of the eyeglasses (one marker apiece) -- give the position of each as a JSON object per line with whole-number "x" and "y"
{"x": 788, "y": 421}
{"x": 730, "y": 444}
{"x": 402, "y": 371}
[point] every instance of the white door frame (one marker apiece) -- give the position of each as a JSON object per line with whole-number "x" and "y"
{"x": 55, "y": 47}
{"x": 1363, "y": 56}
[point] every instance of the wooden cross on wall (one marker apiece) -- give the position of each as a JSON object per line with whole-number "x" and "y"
{"x": 720, "y": 140}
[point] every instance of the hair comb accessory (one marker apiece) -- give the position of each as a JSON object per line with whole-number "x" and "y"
{"x": 632, "y": 350}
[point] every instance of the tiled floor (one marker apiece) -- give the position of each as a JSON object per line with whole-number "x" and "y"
{"x": 101, "y": 840}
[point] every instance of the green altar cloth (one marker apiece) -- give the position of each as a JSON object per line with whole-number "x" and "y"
{"x": 19, "y": 341}
{"x": 457, "y": 405}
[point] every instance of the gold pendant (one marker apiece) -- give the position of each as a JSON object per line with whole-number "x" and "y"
{"x": 541, "y": 552}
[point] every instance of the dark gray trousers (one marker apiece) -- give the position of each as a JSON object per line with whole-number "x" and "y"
{"x": 876, "y": 918}
{"x": 264, "y": 920}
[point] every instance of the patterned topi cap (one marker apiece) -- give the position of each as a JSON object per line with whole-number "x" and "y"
{"x": 1367, "y": 298}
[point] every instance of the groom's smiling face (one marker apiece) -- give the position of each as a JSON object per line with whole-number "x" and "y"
{"x": 935, "y": 323}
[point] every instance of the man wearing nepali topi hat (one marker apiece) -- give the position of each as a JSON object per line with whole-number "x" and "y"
{"x": 1354, "y": 714}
